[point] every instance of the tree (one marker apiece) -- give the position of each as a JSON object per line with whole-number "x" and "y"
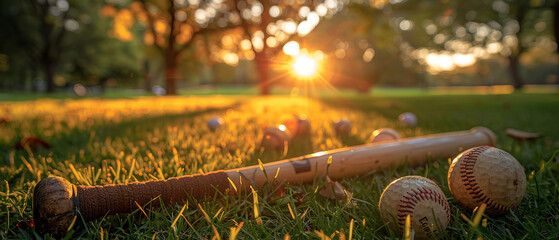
{"x": 256, "y": 16}
{"x": 506, "y": 28}
{"x": 59, "y": 38}
{"x": 172, "y": 27}
{"x": 40, "y": 28}
{"x": 102, "y": 58}
{"x": 268, "y": 26}
{"x": 364, "y": 48}
{"x": 513, "y": 25}
{"x": 382, "y": 46}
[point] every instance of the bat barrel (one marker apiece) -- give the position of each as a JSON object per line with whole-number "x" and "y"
{"x": 362, "y": 159}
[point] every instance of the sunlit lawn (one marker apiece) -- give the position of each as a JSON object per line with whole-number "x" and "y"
{"x": 104, "y": 141}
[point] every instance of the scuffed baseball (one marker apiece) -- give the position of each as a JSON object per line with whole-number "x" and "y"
{"x": 487, "y": 175}
{"x": 408, "y": 119}
{"x": 420, "y": 198}
{"x": 384, "y": 135}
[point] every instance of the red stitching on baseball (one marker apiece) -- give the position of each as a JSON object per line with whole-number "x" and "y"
{"x": 409, "y": 201}
{"x": 466, "y": 173}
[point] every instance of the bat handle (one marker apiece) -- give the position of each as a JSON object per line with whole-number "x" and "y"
{"x": 56, "y": 202}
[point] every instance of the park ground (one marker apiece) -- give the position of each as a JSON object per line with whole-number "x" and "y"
{"x": 97, "y": 141}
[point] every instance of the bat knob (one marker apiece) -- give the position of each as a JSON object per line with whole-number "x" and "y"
{"x": 54, "y": 206}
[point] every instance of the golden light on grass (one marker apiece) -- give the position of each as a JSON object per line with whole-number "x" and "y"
{"x": 304, "y": 66}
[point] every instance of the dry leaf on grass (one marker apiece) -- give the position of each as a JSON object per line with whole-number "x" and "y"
{"x": 278, "y": 193}
{"x": 5, "y": 120}
{"x": 521, "y": 135}
{"x": 334, "y": 190}
{"x": 33, "y": 142}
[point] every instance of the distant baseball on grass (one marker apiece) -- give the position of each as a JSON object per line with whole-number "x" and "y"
{"x": 422, "y": 200}
{"x": 487, "y": 175}
{"x": 408, "y": 119}
{"x": 215, "y": 123}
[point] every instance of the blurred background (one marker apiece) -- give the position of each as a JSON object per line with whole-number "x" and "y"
{"x": 167, "y": 47}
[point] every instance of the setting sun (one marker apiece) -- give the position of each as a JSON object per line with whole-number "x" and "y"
{"x": 304, "y": 66}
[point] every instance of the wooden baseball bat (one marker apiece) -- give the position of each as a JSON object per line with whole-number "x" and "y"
{"x": 56, "y": 202}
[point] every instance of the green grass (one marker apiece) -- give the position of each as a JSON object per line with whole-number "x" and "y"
{"x": 125, "y": 140}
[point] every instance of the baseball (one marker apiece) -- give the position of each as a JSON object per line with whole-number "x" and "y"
{"x": 408, "y": 119}
{"x": 384, "y": 135}
{"x": 420, "y": 198}
{"x": 215, "y": 123}
{"x": 275, "y": 138}
{"x": 342, "y": 127}
{"x": 487, "y": 175}
{"x": 297, "y": 124}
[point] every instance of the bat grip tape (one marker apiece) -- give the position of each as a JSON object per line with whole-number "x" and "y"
{"x": 97, "y": 201}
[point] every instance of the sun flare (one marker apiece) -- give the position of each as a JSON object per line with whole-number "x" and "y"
{"x": 304, "y": 66}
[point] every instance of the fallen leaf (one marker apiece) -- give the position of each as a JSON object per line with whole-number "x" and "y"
{"x": 280, "y": 192}
{"x": 333, "y": 190}
{"x": 32, "y": 142}
{"x": 5, "y": 120}
{"x": 521, "y": 135}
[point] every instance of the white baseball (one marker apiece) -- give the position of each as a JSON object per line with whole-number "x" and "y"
{"x": 384, "y": 135}
{"x": 487, "y": 175}
{"x": 420, "y": 198}
{"x": 215, "y": 123}
{"x": 408, "y": 119}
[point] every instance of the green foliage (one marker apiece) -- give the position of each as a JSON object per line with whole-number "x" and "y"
{"x": 99, "y": 57}
{"x": 499, "y": 30}
{"x": 129, "y": 140}
{"x": 61, "y": 38}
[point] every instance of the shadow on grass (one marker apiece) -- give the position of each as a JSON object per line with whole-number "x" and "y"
{"x": 75, "y": 142}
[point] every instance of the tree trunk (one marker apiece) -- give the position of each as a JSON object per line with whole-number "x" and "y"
{"x": 263, "y": 65}
{"x": 34, "y": 73}
{"x": 103, "y": 83}
{"x": 147, "y": 76}
{"x": 171, "y": 54}
{"x": 171, "y": 73}
{"x": 514, "y": 70}
{"x": 49, "y": 76}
